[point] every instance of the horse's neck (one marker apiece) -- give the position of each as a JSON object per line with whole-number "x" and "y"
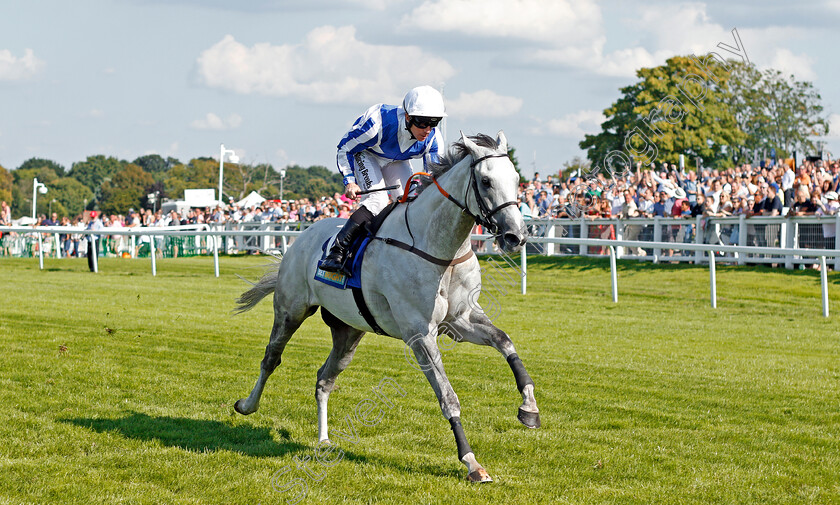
{"x": 439, "y": 227}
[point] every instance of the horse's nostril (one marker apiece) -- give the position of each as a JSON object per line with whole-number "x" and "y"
{"x": 512, "y": 239}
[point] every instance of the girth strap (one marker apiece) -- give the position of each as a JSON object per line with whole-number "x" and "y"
{"x": 426, "y": 256}
{"x": 365, "y": 312}
{"x": 359, "y": 297}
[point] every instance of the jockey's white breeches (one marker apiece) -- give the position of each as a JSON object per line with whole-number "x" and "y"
{"x": 373, "y": 172}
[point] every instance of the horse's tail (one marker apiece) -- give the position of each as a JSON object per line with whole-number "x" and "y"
{"x": 262, "y": 288}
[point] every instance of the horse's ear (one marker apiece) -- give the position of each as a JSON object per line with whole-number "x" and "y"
{"x": 471, "y": 146}
{"x": 501, "y": 141}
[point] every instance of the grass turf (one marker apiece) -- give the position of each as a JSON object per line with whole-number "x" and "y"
{"x": 118, "y": 388}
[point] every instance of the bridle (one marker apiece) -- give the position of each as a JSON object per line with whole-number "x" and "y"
{"x": 485, "y": 213}
{"x": 483, "y": 217}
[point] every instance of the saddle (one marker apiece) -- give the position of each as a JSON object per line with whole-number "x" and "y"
{"x": 355, "y": 255}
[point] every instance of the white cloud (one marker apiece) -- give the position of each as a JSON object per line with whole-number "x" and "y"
{"x": 18, "y": 69}
{"x": 575, "y": 125}
{"x": 483, "y": 103}
{"x": 800, "y": 65}
{"x": 559, "y": 21}
{"x": 329, "y": 66}
{"x": 213, "y": 122}
{"x": 572, "y": 33}
{"x": 94, "y": 113}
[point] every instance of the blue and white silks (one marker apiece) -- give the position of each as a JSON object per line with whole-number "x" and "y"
{"x": 381, "y": 132}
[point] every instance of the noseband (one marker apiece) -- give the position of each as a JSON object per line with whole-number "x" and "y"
{"x": 485, "y": 213}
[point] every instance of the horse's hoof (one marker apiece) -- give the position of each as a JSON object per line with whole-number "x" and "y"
{"x": 238, "y": 409}
{"x": 529, "y": 419}
{"x": 479, "y": 475}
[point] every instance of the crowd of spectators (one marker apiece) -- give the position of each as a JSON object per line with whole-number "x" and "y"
{"x": 775, "y": 189}
{"x": 269, "y": 211}
{"x": 771, "y": 189}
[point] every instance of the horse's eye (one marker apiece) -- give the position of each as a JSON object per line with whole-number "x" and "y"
{"x": 486, "y": 182}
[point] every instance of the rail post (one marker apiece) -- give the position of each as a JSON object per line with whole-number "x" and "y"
{"x": 657, "y": 237}
{"x": 712, "y": 279}
{"x": 613, "y": 275}
{"x": 40, "y": 250}
{"x": 824, "y": 285}
{"x": 215, "y": 255}
{"x": 95, "y": 250}
{"x": 152, "y": 254}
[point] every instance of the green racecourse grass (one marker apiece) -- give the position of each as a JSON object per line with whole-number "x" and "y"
{"x": 656, "y": 399}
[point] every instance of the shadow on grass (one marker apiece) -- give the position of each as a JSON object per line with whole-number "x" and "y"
{"x": 197, "y": 435}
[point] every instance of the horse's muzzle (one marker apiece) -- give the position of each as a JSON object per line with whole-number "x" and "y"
{"x": 512, "y": 242}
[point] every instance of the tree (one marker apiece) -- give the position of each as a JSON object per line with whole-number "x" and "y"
{"x": 158, "y": 188}
{"x": 42, "y": 163}
{"x": 775, "y": 111}
{"x": 71, "y": 194}
{"x": 155, "y": 165}
{"x": 677, "y": 108}
{"x": 313, "y": 182}
{"x": 125, "y": 189}
{"x": 515, "y": 161}
{"x": 243, "y": 178}
{"x": 95, "y": 171}
{"x": 23, "y": 179}
{"x": 6, "y": 184}
{"x": 576, "y": 165}
{"x": 199, "y": 173}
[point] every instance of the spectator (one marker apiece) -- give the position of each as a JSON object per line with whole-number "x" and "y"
{"x": 5, "y": 214}
{"x": 94, "y": 224}
{"x": 802, "y": 204}
{"x": 631, "y": 231}
{"x": 544, "y": 205}
{"x": 829, "y": 208}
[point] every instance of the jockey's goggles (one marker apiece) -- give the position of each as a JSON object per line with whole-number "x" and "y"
{"x": 423, "y": 122}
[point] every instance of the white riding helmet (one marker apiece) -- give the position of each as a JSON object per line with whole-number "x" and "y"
{"x": 424, "y": 101}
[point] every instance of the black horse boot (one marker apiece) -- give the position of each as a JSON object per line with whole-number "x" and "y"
{"x": 334, "y": 262}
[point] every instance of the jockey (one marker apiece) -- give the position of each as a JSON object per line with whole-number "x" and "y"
{"x": 375, "y": 153}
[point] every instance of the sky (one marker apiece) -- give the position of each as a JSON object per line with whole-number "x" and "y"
{"x": 280, "y": 82}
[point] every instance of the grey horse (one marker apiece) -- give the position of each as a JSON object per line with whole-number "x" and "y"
{"x": 410, "y": 297}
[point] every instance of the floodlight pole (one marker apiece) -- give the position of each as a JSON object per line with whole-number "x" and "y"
{"x": 35, "y": 187}
{"x": 282, "y": 176}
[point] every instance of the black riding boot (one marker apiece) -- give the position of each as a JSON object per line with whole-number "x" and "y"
{"x": 334, "y": 262}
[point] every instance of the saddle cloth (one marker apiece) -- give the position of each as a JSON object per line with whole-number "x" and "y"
{"x": 355, "y": 256}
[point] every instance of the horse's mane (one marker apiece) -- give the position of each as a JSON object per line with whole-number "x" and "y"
{"x": 457, "y": 152}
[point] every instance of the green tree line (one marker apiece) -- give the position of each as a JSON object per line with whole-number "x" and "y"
{"x": 717, "y": 113}
{"x": 113, "y": 186}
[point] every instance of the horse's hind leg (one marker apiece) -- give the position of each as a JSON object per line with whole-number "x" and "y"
{"x": 286, "y": 322}
{"x": 345, "y": 339}
{"x": 479, "y": 329}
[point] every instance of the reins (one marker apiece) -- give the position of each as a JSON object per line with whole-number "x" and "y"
{"x": 483, "y": 217}
{"x": 484, "y": 212}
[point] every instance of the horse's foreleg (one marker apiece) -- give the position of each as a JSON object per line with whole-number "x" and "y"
{"x": 345, "y": 339}
{"x": 285, "y": 325}
{"x": 428, "y": 358}
{"x": 479, "y": 329}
